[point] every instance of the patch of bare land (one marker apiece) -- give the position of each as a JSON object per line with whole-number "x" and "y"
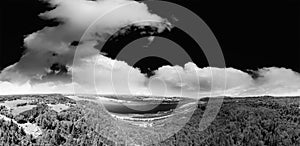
{"x": 18, "y": 106}
{"x": 29, "y": 128}
{"x": 58, "y": 107}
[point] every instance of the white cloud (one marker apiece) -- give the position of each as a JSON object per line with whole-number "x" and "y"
{"x": 51, "y": 45}
{"x": 108, "y": 76}
{"x": 188, "y": 81}
{"x": 274, "y": 81}
{"x": 196, "y": 81}
{"x": 7, "y": 88}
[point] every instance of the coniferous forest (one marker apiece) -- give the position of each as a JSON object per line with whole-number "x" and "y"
{"x": 261, "y": 121}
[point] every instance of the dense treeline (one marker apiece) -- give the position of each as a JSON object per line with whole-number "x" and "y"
{"x": 253, "y": 121}
{"x": 45, "y": 98}
{"x": 11, "y": 134}
{"x": 68, "y": 128}
{"x": 240, "y": 121}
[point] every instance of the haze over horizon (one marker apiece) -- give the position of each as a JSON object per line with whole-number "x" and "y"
{"x": 47, "y": 65}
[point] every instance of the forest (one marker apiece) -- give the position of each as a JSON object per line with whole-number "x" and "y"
{"x": 246, "y": 121}
{"x": 261, "y": 121}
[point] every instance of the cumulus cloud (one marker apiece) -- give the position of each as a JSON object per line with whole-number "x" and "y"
{"x": 50, "y": 52}
{"x": 195, "y": 81}
{"x": 274, "y": 81}
{"x": 103, "y": 75}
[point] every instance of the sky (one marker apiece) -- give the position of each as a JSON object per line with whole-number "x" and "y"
{"x": 61, "y": 46}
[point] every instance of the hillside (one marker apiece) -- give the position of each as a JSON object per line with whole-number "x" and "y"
{"x": 60, "y": 120}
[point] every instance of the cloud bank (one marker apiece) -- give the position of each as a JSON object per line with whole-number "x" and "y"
{"x": 59, "y": 60}
{"x": 194, "y": 81}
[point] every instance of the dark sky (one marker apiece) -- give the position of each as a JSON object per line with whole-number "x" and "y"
{"x": 252, "y": 34}
{"x": 18, "y": 19}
